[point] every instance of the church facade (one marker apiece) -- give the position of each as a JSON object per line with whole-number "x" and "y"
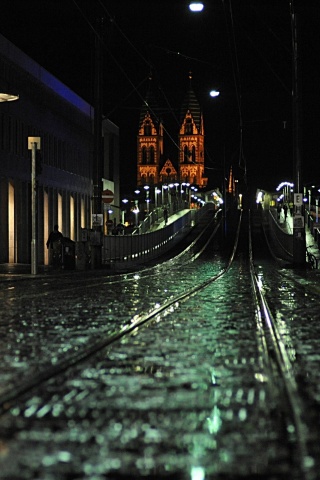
{"x": 153, "y": 168}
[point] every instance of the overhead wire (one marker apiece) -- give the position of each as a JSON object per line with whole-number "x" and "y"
{"x": 262, "y": 56}
{"x": 237, "y": 82}
{"x": 134, "y": 87}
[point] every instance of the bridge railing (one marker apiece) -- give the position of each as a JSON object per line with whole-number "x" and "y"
{"x": 284, "y": 240}
{"x": 128, "y": 248}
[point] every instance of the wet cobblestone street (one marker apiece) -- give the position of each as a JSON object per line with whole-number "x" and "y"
{"x": 185, "y": 396}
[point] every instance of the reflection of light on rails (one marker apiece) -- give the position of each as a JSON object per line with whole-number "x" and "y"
{"x": 155, "y": 314}
{"x": 270, "y": 340}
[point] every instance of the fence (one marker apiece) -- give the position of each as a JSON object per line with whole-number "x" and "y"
{"x": 128, "y": 248}
{"x": 283, "y": 240}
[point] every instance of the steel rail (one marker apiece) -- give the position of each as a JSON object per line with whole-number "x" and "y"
{"x": 136, "y": 322}
{"x": 267, "y": 328}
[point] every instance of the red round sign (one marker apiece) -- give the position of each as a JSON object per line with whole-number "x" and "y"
{"x": 107, "y": 196}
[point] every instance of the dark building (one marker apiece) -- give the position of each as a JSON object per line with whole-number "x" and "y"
{"x": 49, "y": 110}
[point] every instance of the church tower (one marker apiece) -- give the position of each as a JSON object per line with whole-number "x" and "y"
{"x": 149, "y": 142}
{"x": 191, "y": 141}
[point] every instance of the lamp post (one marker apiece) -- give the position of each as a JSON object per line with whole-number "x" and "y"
{"x": 299, "y": 234}
{"x": 34, "y": 145}
{"x": 136, "y": 212}
{"x": 136, "y": 207}
{"x": 317, "y": 211}
{"x": 125, "y": 201}
{"x": 164, "y": 197}
{"x": 156, "y": 192}
{"x": 146, "y": 187}
{"x": 309, "y": 193}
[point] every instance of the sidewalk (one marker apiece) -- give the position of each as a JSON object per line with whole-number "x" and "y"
{"x": 9, "y": 271}
{"x": 311, "y": 244}
{"x": 171, "y": 219}
{"x": 12, "y": 270}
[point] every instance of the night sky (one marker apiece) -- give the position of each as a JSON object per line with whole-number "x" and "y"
{"x": 241, "y": 47}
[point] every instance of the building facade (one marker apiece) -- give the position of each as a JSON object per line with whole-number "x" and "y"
{"x": 46, "y": 108}
{"x": 191, "y": 141}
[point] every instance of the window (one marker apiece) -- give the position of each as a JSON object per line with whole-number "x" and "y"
{"x": 188, "y": 127}
{"x": 144, "y": 155}
{"x": 151, "y": 154}
{"x": 147, "y": 128}
{"x": 193, "y": 154}
{"x": 185, "y": 154}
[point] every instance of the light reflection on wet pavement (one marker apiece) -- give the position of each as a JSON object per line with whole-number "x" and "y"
{"x": 184, "y": 398}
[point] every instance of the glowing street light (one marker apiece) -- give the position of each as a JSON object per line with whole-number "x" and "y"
{"x": 196, "y": 6}
{"x": 156, "y": 192}
{"x": 136, "y": 212}
{"x": 125, "y": 201}
{"x": 5, "y": 94}
{"x": 164, "y": 197}
{"x": 146, "y": 187}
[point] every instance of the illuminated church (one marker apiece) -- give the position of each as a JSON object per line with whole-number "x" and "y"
{"x": 153, "y": 167}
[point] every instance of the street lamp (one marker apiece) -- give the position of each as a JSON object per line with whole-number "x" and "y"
{"x": 196, "y": 6}
{"x": 34, "y": 145}
{"x": 317, "y": 209}
{"x": 5, "y": 94}
{"x": 164, "y": 197}
{"x": 136, "y": 212}
{"x": 146, "y": 187}
{"x": 299, "y": 234}
{"x": 156, "y": 191}
{"x": 125, "y": 201}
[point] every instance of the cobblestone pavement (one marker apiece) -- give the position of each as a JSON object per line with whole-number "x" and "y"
{"x": 184, "y": 398}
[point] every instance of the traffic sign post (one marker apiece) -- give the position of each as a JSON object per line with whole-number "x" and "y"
{"x": 299, "y": 235}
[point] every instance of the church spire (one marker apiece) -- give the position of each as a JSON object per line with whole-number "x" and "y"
{"x": 149, "y": 140}
{"x": 191, "y": 140}
{"x": 190, "y": 104}
{"x": 150, "y": 104}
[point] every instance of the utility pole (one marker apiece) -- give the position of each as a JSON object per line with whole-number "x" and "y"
{"x": 34, "y": 145}
{"x": 98, "y": 148}
{"x": 299, "y": 234}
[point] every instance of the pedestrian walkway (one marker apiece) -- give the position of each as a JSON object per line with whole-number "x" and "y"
{"x": 286, "y": 223}
{"x": 171, "y": 219}
{"x": 18, "y": 270}
{"x": 11, "y": 271}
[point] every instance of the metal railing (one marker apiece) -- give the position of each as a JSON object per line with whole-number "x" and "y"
{"x": 156, "y": 215}
{"x": 284, "y": 240}
{"x": 132, "y": 248}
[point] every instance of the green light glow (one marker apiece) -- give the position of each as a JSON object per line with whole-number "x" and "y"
{"x": 197, "y": 473}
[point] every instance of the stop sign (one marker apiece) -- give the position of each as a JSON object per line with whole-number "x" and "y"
{"x": 107, "y": 196}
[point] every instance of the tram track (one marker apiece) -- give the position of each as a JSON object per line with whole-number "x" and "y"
{"x": 10, "y": 396}
{"x": 275, "y": 362}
